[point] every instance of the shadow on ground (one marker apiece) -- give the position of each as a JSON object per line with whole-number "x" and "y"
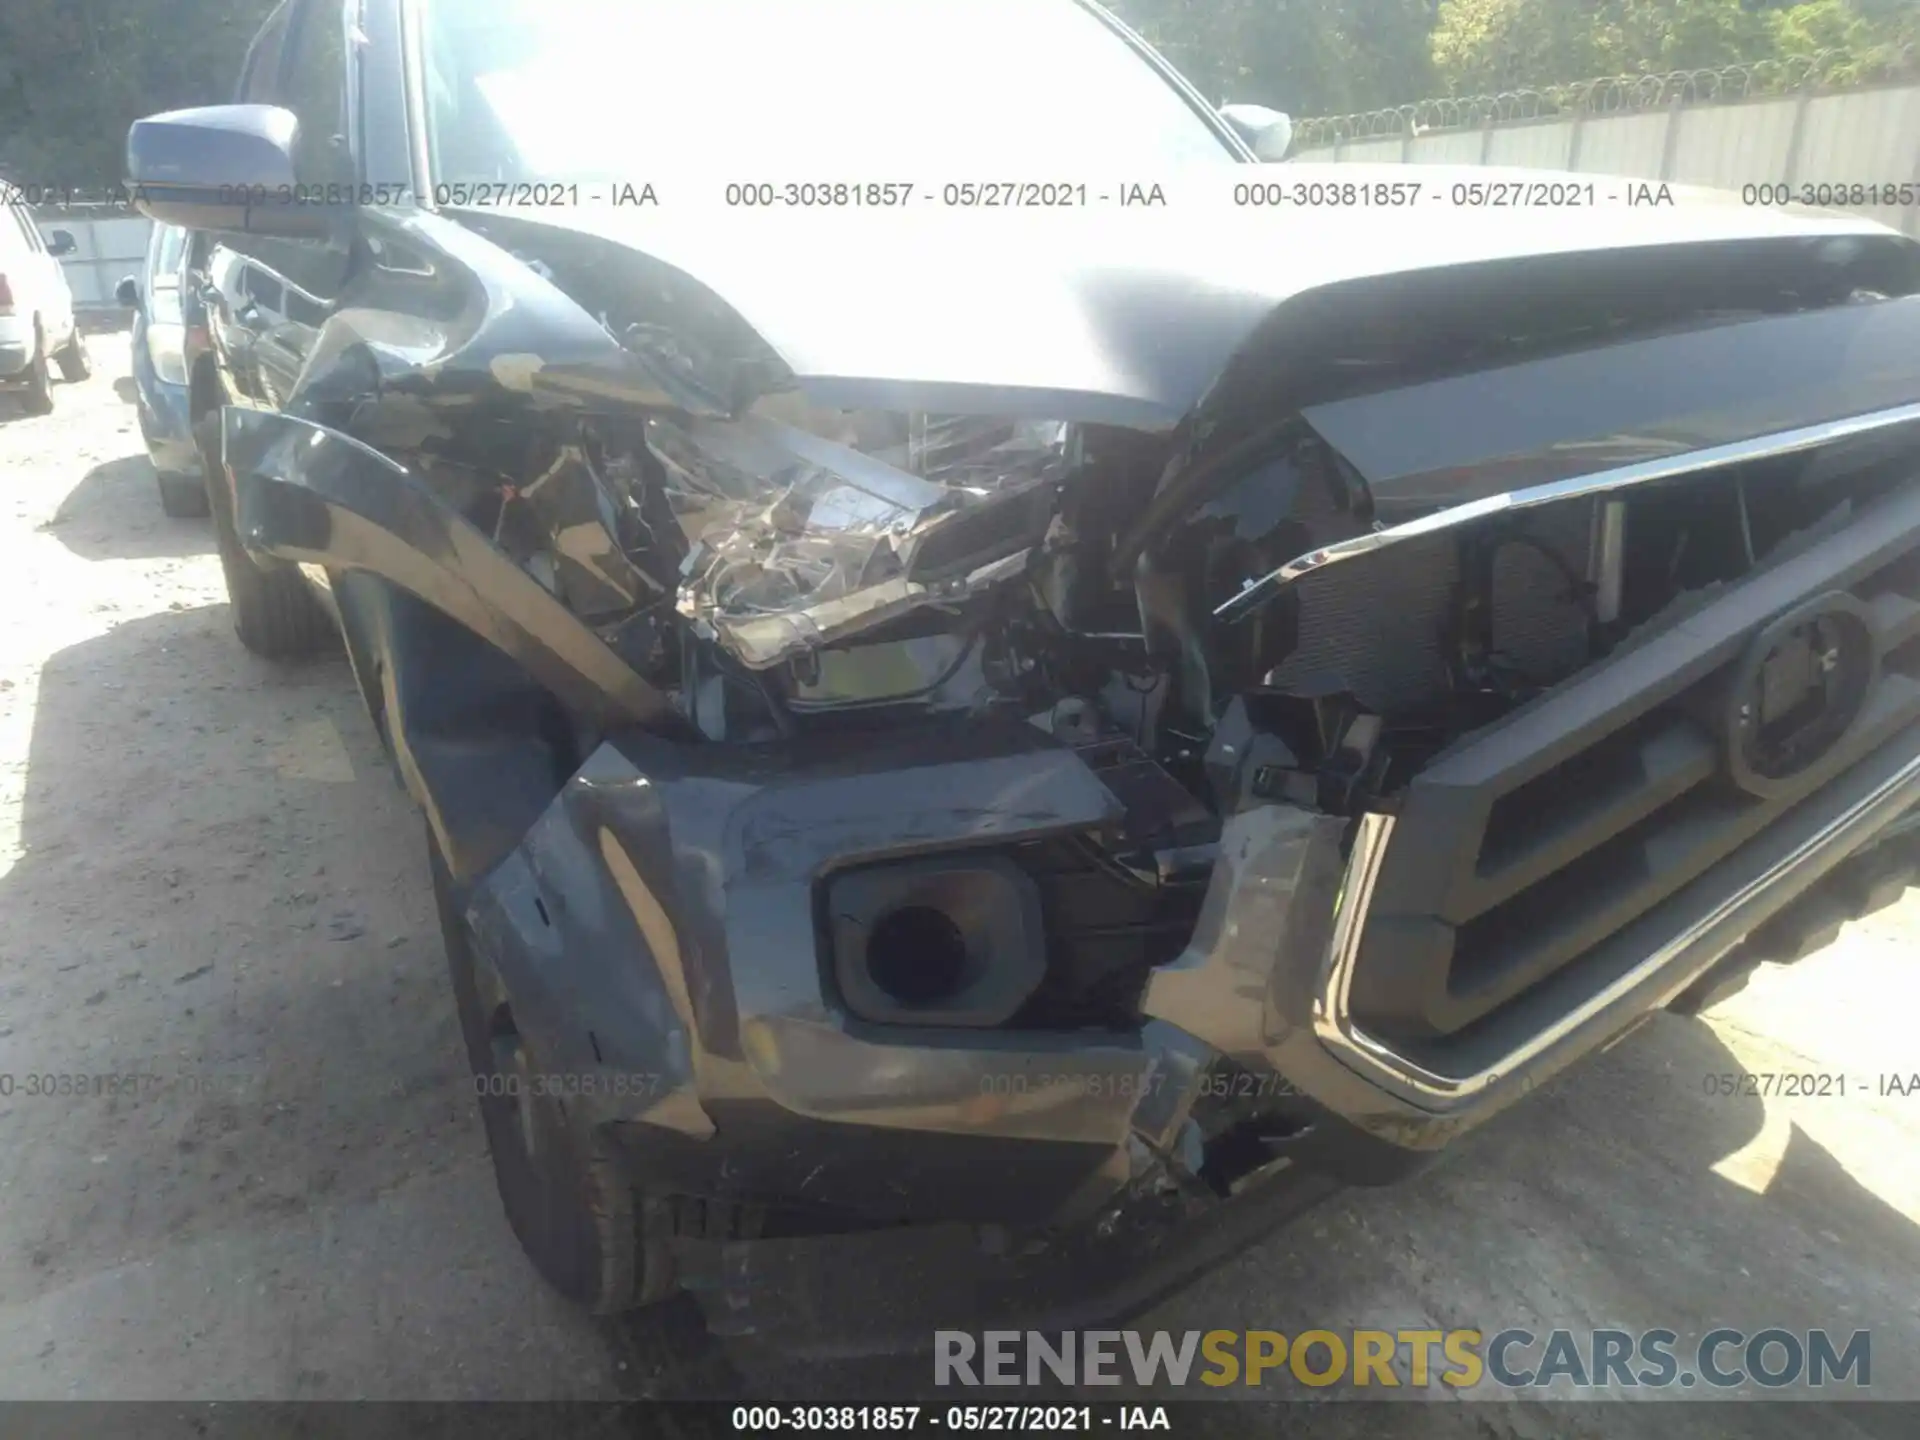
{"x": 277, "y": 1187}
{"x": 114, "y": 514}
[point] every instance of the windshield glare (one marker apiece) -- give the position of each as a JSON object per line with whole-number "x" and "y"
{"x": 613, "y": 90}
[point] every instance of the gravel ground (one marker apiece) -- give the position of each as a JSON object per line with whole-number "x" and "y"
{"x": 208, "y": 879}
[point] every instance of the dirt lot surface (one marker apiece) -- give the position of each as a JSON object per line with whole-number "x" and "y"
{"x": 209, "y": 880}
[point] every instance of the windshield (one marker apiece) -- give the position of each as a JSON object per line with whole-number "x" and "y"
{"x": 933, "y": 90}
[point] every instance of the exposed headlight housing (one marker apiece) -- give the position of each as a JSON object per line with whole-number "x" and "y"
{"x": 799, "y": 540}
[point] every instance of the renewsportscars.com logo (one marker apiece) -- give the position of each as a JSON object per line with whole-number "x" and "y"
{"x": 1515, "y": 1359}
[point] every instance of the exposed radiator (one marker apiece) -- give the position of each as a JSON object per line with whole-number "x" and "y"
{"x": 1379, "y": 624}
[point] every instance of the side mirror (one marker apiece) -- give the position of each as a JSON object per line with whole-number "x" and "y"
{"x": 61, "y": 242}
{"x": 1268, "y": 133}
{"x": 221, "y": 167}
{"x": 127, "y": 292}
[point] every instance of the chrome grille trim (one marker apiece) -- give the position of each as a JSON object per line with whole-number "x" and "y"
{"x": 1620, "y": 477}
{"x": 1432, "y": 1091}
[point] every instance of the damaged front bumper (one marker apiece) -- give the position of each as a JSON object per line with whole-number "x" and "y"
{"x": 667, "y": 928}
{"x": 664, "y": 920}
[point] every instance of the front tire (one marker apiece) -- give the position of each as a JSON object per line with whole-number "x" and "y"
{"x": 274, "y": 613}
{"x": 74, "y": 361}
{"x": 568, "y": 1202}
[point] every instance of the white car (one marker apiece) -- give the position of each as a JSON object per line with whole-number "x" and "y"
{"x": 37, "y": 324}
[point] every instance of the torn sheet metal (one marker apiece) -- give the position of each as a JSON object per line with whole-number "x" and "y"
{"x": 583, "y": 516}
{"x": 1267, "y": 905}
{"x": 306, "y": 494}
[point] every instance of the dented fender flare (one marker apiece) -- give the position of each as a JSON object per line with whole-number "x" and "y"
{"x": 306, "y": 494}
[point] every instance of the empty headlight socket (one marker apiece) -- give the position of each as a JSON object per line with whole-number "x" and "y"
{"x": 954, "y": 941}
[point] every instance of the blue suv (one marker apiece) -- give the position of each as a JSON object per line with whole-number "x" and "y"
{"x": 164, "y": 308}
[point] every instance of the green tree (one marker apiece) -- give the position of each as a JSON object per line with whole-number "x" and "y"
{"x": 1485, "y": 46}
{"x": 1305, "y": 56}
{"x": 75, "y": 73}
{"x": 1869, "y": 34}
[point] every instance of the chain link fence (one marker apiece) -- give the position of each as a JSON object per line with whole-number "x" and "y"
{"x": 1830, "y": 70}
{"x": 1827, "y": 130}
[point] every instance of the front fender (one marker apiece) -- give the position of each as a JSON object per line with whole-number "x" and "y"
{"x": 306, "y": 494}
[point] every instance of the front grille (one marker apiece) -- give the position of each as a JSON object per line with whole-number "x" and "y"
{"x": 1521, "y": 849}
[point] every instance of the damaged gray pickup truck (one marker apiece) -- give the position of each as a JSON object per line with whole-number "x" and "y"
{"x": 983, "y": 760}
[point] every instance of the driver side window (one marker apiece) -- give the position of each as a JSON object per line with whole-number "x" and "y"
{"x": 316, "y": 91}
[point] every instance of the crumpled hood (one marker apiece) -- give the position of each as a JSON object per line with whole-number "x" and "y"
{"x": 1109, "y": 314}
